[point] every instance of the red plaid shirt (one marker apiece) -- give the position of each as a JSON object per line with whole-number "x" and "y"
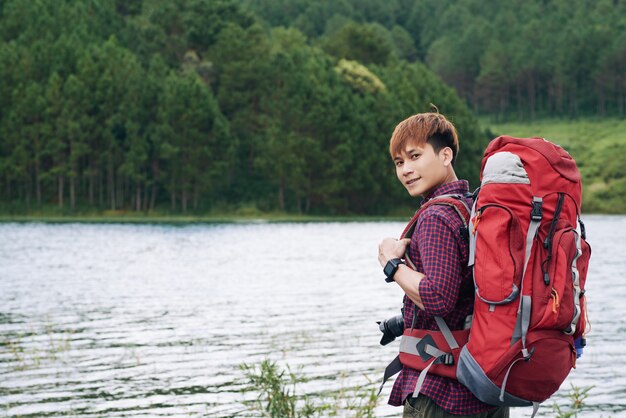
{"x": 447, "y": 290}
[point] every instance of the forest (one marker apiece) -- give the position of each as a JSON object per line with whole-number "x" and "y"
{"x": 224, "y": 106}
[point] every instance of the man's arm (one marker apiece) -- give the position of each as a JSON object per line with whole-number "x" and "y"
{"x": 441, "y": 263}
{"x": 407, "y": 278}
{"x": 436, "y": 289}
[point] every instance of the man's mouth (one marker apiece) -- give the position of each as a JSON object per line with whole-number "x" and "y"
{"x": 412, "y": 181}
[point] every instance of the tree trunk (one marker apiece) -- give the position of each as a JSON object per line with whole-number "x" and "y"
{"x": 520, "y": 111}
{"x": 153, "y": 196}
{"x": 27, "y": 190}
{"x": 121, "y": 192}
{"x": 573, "y": 101}
{"x": 155, "y": 179}
{"x": 37, "y": 181}
{"x": 559, "y": 97}
{"x": 173, "y": 195}
{"x": 111, "y": 183}
{"x": 101, "y": 187}
{"x": 601, "y": 97}
{"x": 92, "y": 181}
{"x": 281, "y": 194}
{"x": 144, "y": 201}
{"x": 72, "y": 191}
{"x": 602, "y": 103}
{"x": 503, "y": 100}
{"x": 132, "y": 200}
{"x": 60, "y": 187}
{"x": 532, "y": 99}
{"x": 138, "y": 198}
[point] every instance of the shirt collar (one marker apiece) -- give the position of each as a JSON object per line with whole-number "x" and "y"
{"x": 454, "y": 187}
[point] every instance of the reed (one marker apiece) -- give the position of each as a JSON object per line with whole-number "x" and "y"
{"x": 28, "y": 352}
{"x": 577, "y": 396}
{"x": 278, "y": 397}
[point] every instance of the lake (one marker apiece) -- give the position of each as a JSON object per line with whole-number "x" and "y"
{"x": 154, "y": 320}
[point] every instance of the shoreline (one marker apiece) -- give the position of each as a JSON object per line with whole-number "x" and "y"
{"x": 210, "y": 219}
{"x": 188, "y": 220}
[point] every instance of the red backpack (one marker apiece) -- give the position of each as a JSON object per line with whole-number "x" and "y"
{"x": 530, "y": 265}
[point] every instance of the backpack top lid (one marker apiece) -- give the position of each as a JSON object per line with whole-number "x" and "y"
{"x": 556, "y": 156}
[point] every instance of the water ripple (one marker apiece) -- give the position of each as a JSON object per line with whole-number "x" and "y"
{"x": 145, "y": 321}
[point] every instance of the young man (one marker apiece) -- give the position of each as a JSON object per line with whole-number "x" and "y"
{"x": 424, "y": 148}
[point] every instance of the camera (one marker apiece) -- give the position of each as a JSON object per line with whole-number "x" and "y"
{"x": 391, "y": 328}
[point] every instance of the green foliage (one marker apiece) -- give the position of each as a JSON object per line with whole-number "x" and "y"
{"x": 161, "y": 106}
{"x": 277, "y": 396}
{"x": 597, "y": 147}
{"x": 366, "y": 43}
{"x": 359, "y": 77}
{"x": 517, "y": 60}
{"x": 206, "y": 18}
{"x": 577, "y": 398}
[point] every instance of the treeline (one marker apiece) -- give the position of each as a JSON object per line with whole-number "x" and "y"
{"x": 180, "y": 106}
{"x": 514, "y": 60}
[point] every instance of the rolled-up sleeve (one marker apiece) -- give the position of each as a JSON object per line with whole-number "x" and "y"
{"x": 440, "y": 255}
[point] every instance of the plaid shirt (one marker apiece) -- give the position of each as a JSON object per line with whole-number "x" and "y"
{"x": 447, "y": 290}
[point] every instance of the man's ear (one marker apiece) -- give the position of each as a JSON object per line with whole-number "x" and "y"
{"x": 446, "y": 156}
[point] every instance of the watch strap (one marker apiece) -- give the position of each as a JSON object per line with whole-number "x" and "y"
{"x": 390, "y": 269}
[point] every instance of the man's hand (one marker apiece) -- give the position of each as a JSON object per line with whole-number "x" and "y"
{"x": 391, "y": 248}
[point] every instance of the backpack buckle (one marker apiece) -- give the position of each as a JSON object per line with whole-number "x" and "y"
{"x": 536, "y": 213}
{"x": 447, "y": 359}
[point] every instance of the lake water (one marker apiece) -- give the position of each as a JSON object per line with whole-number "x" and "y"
{"x": 152, "y": 320}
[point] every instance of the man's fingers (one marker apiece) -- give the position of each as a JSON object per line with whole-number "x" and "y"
{"x": 406, "y": 241}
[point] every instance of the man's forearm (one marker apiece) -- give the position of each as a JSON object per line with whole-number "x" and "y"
{"x": 409, "y": 280}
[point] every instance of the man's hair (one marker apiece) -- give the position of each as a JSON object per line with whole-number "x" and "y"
{"x": 432, "y": 128}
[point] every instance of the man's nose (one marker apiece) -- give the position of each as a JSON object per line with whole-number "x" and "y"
{"x": 407, "y": 169}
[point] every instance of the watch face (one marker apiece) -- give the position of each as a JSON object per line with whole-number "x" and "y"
{"x": 390, "y": 267}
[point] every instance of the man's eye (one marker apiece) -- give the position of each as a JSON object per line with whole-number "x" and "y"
{"x": 398, "y": 163}
{"x": 415, "y": 156}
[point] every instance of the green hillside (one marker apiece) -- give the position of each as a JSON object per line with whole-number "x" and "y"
{"x": 514, "y": 59}
{"x": 201, "y": 107}
{"x": 599, "y": 147}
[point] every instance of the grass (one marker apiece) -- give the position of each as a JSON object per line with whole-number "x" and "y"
{"x": 597, "y": 145}
{"x": 27, "y": 353}
{"x": 565, "y": 132}
{"x": 278, "y": 398}
{"x": 577, "y": 398}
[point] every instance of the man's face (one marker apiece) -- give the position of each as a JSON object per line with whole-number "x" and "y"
{"x": 420, "y": 169}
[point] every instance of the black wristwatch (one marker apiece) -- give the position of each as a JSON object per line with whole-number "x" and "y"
{"x": 390, "y": 269}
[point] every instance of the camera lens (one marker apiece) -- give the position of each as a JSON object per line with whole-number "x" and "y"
{"x": 391, "y": 328}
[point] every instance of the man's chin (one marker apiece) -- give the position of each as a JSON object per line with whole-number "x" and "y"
{"x": 415, "y": 193}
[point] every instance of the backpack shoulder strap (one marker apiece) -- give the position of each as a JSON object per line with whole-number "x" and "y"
{"x": 454, "y": 201}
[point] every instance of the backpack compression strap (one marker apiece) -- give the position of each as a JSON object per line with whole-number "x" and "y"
{"x": 523, "y": 312}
